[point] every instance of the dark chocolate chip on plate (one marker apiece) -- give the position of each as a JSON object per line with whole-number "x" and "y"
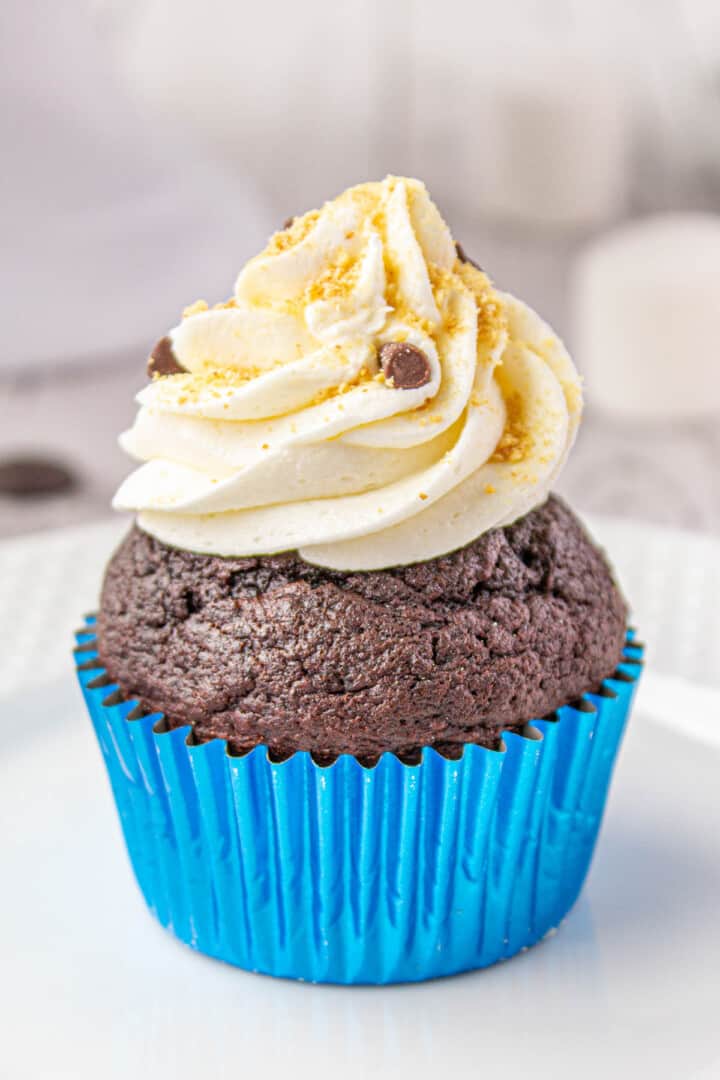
{"x": 406, "y": 366}
{"x": 163, "y": 361}
{"x": 33, "y": 477}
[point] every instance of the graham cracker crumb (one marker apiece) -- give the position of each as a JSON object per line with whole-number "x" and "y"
{"x": 514, "y": 442}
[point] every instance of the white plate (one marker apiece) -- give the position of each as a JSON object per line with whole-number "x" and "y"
{"x": 93, "y": 987}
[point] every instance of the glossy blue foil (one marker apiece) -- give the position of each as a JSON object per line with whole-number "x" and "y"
{"x": 346, "y": 874}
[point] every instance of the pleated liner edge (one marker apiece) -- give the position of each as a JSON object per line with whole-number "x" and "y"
{"x": 348, "y": 874}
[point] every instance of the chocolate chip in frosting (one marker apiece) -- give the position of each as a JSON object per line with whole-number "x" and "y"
{"x": 162, "y": 360}
{"x": 406, "y": 366}
{"x": 464, "y": 257}
{"x": 287, "y": 223}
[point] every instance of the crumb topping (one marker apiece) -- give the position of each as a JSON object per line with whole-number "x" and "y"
{"x": 515, "y": 441}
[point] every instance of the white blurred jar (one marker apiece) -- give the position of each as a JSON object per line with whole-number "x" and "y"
{"x": 646, "y": 309}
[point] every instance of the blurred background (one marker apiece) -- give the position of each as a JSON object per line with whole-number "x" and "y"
{"x": 151, "y": 146}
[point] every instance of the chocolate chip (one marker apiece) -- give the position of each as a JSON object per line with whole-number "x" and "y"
{"x": 32, "y": 477}
{"x": 464, "y": 257}
{"x": 162, "y": 360}
{"x": 407, "y": 366}
{"x": 287, "y": 223}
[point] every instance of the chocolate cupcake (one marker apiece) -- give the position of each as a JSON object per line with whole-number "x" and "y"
{"x": 368, "y": 674}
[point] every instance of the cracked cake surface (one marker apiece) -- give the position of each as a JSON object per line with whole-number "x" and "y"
{"x": 277, "y": 651}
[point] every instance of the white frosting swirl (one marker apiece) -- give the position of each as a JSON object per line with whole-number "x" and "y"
{"x": 284, "y": 433}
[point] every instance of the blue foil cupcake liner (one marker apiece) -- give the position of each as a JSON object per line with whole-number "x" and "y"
{"x": 348, "y": 874}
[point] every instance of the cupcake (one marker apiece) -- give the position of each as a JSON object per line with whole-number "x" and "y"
{"x": 359, "y": 678}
